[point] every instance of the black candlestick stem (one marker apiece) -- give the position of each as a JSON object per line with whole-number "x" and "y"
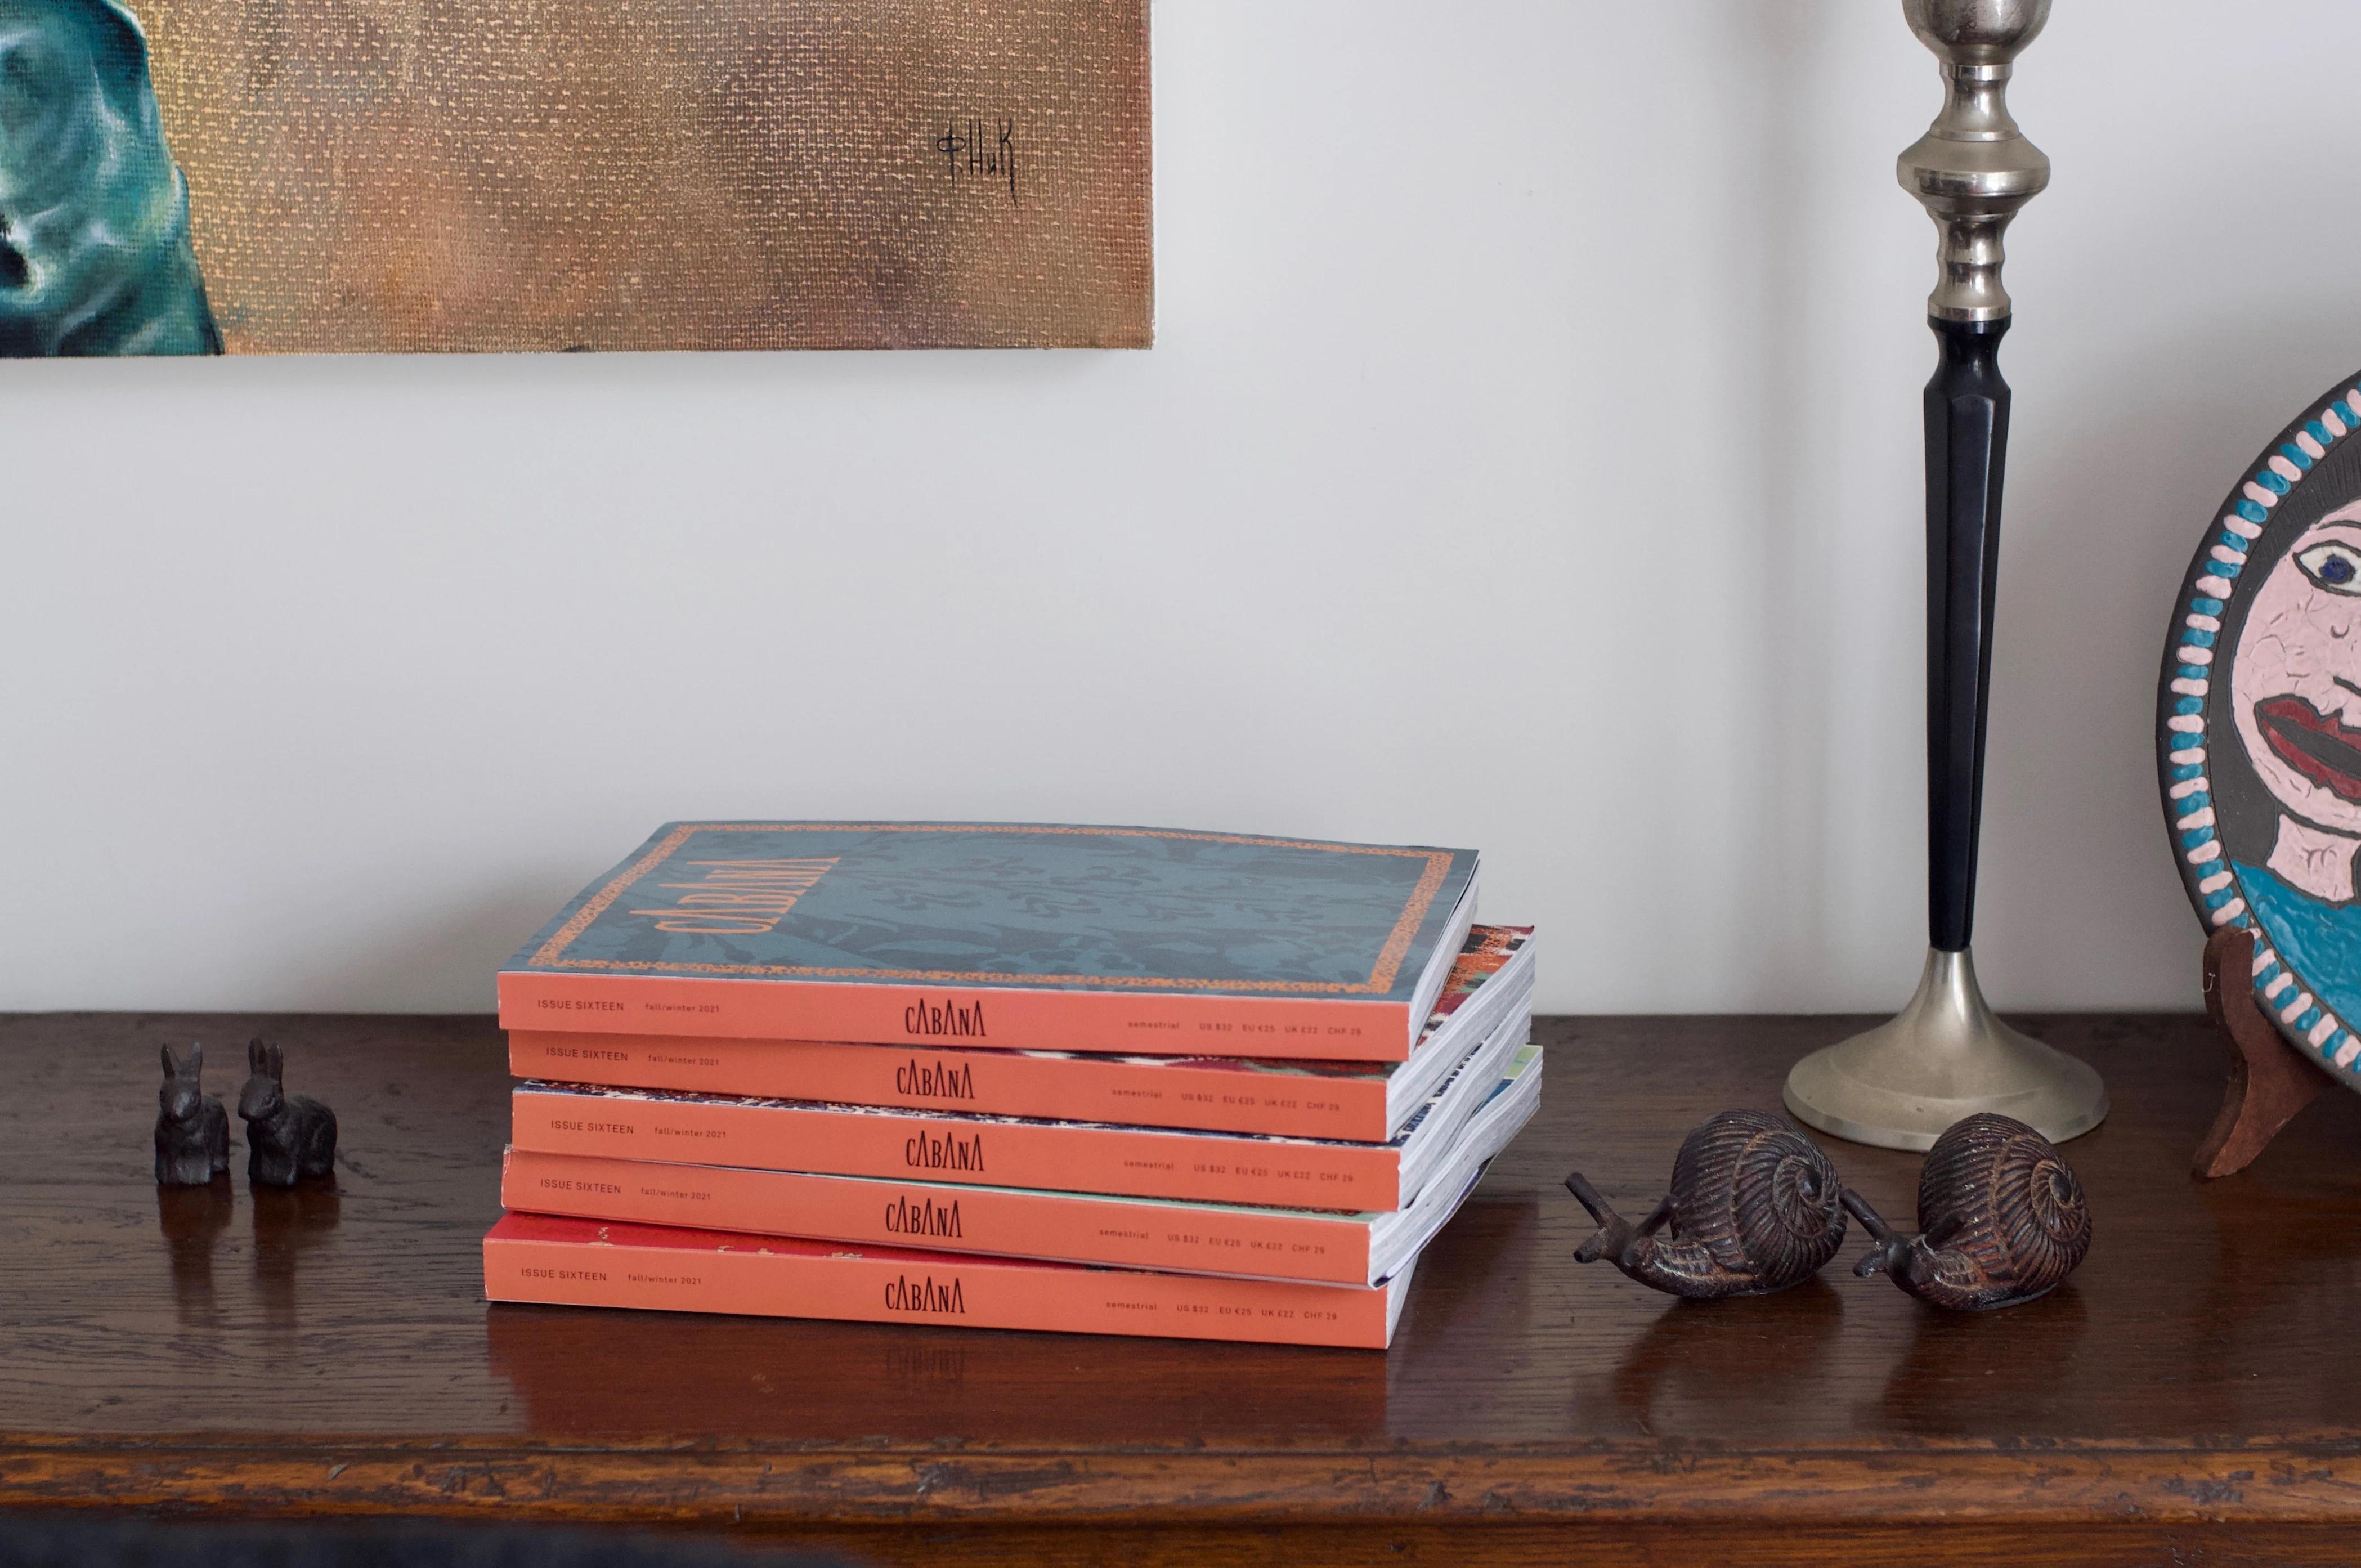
{"x": 1967, "y": 452}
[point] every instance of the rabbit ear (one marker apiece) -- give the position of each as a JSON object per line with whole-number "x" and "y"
{"x": 277, "y": 1064}
{"x": 197, "y": 1059}
{"x": 255, "y": 1058}
{"x": 172, "y": 1068}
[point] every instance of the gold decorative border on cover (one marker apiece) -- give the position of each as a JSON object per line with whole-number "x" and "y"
{"x": 1380, "y": 981}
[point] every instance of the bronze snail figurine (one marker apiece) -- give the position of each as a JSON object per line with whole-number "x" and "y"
{"x": 1756, "y": 1207}
{"x": 2003, "y": 1219}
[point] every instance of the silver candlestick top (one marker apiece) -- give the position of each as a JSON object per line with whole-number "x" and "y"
{"x": 1973, "y": 169}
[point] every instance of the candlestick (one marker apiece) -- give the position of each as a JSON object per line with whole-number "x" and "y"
{"x": 1945, "y": 1055}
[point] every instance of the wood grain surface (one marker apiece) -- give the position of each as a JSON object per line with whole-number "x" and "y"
{"x": 329, "y": 1351}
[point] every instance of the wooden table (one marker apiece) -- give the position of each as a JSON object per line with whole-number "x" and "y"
{"x": 2194, "y": 1396}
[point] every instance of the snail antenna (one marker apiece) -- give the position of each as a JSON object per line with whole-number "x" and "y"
{"x": 1614, "y": 1231}
{"x": 1887, "y": 1253}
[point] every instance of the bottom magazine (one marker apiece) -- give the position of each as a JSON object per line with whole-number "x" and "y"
{"x": 587, "y": 1263}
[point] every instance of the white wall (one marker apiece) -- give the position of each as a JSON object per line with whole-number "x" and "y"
{"x": 1530, "y": 459}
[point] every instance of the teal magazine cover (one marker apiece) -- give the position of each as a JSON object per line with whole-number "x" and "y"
{"x": 982, "y": 909}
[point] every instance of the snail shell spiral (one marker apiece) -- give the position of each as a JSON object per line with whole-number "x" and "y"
{"x": 1756, "y": 1207}
{"x": 2002, "y": 1216}
{"x": 1759, "y": 1196}
{"x": 2003, "y": 1198}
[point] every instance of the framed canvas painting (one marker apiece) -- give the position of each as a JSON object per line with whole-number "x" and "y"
{"x": 361, "y": 176}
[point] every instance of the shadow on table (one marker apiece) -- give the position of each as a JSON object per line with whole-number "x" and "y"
{"x": 1700, "y": 1359}
{"x": 289, "y": 1224}
{"x": 585, "y": 1372}
{"x": 192, "y": 1219}
{"x": 1985, "y": 1374}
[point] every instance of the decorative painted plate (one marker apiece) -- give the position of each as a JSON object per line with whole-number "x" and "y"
{"x": 2259, "y": 727}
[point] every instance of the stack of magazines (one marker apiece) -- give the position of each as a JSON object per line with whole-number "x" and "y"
{"x": 1096, "y": 1079}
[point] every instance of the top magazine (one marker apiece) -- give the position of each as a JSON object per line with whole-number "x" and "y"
{"x": 1129, "y": 940}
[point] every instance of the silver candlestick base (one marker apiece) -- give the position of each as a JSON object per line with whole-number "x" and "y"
{"x": 1944, "y": 1057}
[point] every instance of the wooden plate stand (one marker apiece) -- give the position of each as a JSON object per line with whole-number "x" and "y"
{"x": 2270, "y": 1081}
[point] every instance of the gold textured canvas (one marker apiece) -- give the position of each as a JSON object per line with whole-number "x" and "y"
{"x": 376, "y": 175}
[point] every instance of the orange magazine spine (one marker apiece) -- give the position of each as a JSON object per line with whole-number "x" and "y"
{"x": 948, "y": 1290}
{"x": 1059, "y": 1156}
{"x": 998, "y": 1083}
{"x": 931, "y": 1217}
{"x": 1102, "y": 1023}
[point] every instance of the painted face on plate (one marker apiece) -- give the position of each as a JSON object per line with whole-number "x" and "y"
{"x": 2295, "y": 687}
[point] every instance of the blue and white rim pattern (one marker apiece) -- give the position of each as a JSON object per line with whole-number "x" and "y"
{"x": 2188, "y": 792}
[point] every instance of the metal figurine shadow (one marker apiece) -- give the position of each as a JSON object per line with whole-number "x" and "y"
{"x": 1697, "y": 1362}
{"x": 289, "y": 1223}
{"x": 194, "y": 1220}
{"x": 1981, "y": 1375}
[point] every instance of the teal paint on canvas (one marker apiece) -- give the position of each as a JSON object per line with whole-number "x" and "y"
{"x": 96, "y": 256}
{"x": 1057, "y": 907}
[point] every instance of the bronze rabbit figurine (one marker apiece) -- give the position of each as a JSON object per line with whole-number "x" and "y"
{"x": 2002, "y": 1218}
{"x": 1756, "y": 1207}
{"x": 287, "y": 1136}
{"x": 192, "y": 1128}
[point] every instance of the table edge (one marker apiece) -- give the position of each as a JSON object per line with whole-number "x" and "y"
{"x": 2284, "y": 1482}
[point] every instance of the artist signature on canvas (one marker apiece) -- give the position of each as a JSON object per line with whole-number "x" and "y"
{"x": 981, "y": 150}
